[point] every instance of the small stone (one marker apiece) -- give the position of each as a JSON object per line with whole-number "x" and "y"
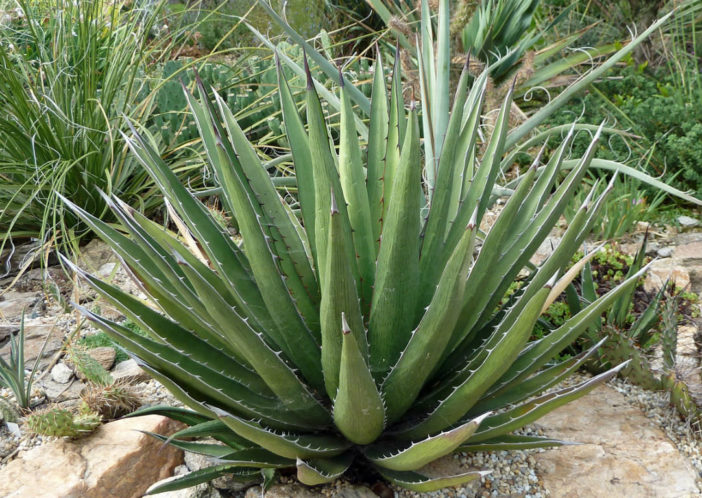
{"x": 664, "y": 252}
{"x": 129, "y": 371}
{"x": 106, "y": 270}
{"x": 61, "y": 373}
{"x": 665, "y": 269}
{"x": 104, "y": 355}
{"x": 687, "y": 221}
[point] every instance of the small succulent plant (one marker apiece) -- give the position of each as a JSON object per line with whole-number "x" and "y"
{"x": 61, "y": 422}
{"x": 378, "y": 328}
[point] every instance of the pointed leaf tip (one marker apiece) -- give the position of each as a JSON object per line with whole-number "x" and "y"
{"x": 345, "y": 328}
{"x": 341, "y": 76}
{"x": 334, "y": 206}
{"x": 308, "y": 73}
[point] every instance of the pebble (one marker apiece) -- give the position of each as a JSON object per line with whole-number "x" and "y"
{"x": 61, "y": 374}
{"x": 687, "y": 221}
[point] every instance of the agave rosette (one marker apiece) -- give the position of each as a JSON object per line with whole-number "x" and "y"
{"x": 376, "y": 327}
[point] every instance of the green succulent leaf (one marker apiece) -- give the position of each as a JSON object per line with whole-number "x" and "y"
{"x": 320, "y": 471}
{"x": 205, "y": 475}
{"x": 512, "y": 443}
{"x": 286, "y": 444}
{"x": 415, "y": 455}
{"x": 420, "y": 483}
{"x": 359, "y": 411}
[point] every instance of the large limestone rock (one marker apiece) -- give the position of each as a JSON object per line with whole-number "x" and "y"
{"x": 117, "y": 461}
{"x": 623, "y": 453}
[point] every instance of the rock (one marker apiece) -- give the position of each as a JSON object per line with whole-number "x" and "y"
{"x": 35, "y": 333}
{"x": 104, "y": 355}
{"x": 106, "y": 270}
{"x": 13, "y": 304}
{"x": 95, "y": 254}
{"x": 60, "y": 392}
{"x": 664, "y": 252}
{"x": 117, "y": 461}
{"x": 623, "y": 453}
{"x": 665, "y": 269}
{"x": 689, "y": 254}
{"x": 687, "y": 222}
{"x": 129, "y": 371}
{"x": 61, "y": 374}
{"x": 545, "y": 250}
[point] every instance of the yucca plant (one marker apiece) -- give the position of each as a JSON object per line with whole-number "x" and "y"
{"x": 372, "y": 331}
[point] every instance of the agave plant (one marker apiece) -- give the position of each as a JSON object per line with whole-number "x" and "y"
{"x": 377, "y": 329}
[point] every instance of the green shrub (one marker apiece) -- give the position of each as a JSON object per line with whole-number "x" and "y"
{"x": 651, "y": 106}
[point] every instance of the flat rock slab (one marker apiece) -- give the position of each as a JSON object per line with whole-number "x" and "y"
{"x": 36, "y": 332}
{"x": 623, "y": 453}
{"x": 116, "y": 461}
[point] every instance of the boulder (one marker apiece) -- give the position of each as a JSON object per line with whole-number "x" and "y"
{"x": 622, "y": 452}
{"x": 116, "y": 461}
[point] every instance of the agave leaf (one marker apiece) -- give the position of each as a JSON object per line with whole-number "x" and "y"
{"x": 224, "y": 254}
{"x": 396, "y": 286}
{"x": 481, "y": 183}
{"x": 542, "y": 350}
{"x": 168, "y": 332}
{"x": 300, "y": 147}
{"x": 151, "y": 278}
{"x": 204, "y": 475}
{"x": 536, "y": 384}
{"x": 489, "y": 362}
{"x": 198, "y": 378}
{"x": 486, "y": 271}
{"x": 213, "y": 429}
{"x": 339, "y": 298}
{"x": 523, "y": 414}
{"x": 359, "y": 411}
{"x": 326, "y": 181}
{"x": 519, "y": 248}
{"x": 415, "y": 455}
{"x": 207, "y": 449}
{"x": 429, "y": 339}
{"x": 237, "y": 193}
{"x": 397, "y": 125}
{"x": 267, "y": 363}
{"x": 176, "y": 413}
{"x": 289, "y": 248}
{"x": 425, "y": 484}
{"x": 353, "y": 183}
{"x": 465, "y": 154}
{"x": 511, "y": 442}
{"x": 285, "y": 444}
{"x": 377, "y": 148}
{"x": 322, "y": 470}
{"x": 608, "y": 165}
{"x": 440, "y": 195}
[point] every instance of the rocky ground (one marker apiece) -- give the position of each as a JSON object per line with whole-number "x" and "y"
{"x": 632, "y": 442}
